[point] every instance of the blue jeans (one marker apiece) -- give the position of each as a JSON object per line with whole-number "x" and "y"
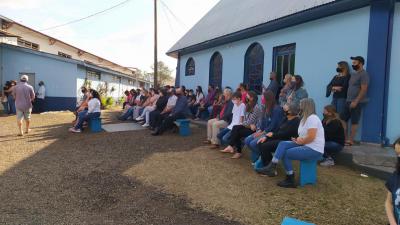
{"x": 251, "y": 142}
{"x": 224, "y": 136}
{"x": 11, "y": 104}
{"x": 332, "y": 148}
{"x": 127, "y": 115}
{"x": 339, "y": 104}
{"x": 288, "y": 151}
{"x": 85, "y": 116}
{"x": 5, "y": 106}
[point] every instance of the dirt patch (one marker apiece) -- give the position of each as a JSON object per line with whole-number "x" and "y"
{"x": 231, "y": 189}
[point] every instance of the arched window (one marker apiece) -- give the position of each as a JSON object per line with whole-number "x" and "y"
{"x": 254, "y": 67}
{"x": 190, "y": 67}
{"x": 215, "y": 77}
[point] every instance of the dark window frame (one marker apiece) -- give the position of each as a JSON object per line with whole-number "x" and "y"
{"x": 215, "y": 71}
{"x": 254, "y": 67}
{"x": 65, "y": 55}
{"x": 190, "y": 67}
{"x": 93, "y": 75}
{"x": 285, "y": 54}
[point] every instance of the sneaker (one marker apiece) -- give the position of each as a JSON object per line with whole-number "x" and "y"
{"x": 327, "y": 162}
{"x": 289, "y": 182}
{"x": 73, "y": 130}
{"x": 139, "y": 118}
{"x": 145, "y": 125}
{"x": 270, "y": 170}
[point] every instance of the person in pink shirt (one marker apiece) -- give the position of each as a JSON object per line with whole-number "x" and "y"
{"x": 24, "y": 95}
{"x": 243, "y": 90}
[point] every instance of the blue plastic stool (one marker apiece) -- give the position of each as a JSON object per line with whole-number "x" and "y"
{"x": 258, "y": 164}
{"x": 308, "y": 172}
{"x": 290, "y": 221}
{"x": 95, "y": 125}
{"x": 184, "y": 127}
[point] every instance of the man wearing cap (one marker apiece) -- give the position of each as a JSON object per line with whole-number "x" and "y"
{"x": 356, "y": 98}
{"x": 24, "y": 95}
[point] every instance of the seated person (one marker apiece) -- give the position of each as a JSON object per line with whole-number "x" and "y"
{"x": 150, "y": 104}
{"x": 222, "y": 120}
{"x": 128, "y": 97}
{"x": 92, "y": 112}
{"x": 139, "y": 101}
{"x": 238, "y": 111}
{"x": 286, "y": 132}
{"x": 179, "y": 112}
{"x": 82, "y": 104}
{"x": 334, "y": 135}
{"x": 208, "y": 101}
{"x": 157, "y": 116}
{"x": 308, "y": 146}
{"x": 271, "y": 121}
{"x": 251, "y": 118}
{"x": 159, "y": 106}
{"x": 219, "y": 101}
{"x": 194, "y": 105}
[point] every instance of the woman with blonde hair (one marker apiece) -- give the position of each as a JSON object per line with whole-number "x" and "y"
{"x": 308, "y": 146}
{"x": 334, "y": 135}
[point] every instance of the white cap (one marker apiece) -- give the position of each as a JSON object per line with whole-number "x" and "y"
{"x": 24, "y": 78}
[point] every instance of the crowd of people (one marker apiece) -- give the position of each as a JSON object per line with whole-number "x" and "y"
{"x": 281, "y": 126}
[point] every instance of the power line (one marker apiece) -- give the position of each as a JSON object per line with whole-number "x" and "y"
{"x": 168, "y": 20}
{"x": 86, "y": 17}
{"x": 173, "y": 14}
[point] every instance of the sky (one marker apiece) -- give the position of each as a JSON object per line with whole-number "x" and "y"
{"x": 123, "y": 35}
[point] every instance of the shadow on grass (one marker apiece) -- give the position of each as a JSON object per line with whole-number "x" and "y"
{"x": 77, "y": 179}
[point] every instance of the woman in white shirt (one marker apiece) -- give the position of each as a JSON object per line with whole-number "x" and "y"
{"x": 94, "y": 111}
{"x": 308, "y": 146}
{"x": 40, "y": 95}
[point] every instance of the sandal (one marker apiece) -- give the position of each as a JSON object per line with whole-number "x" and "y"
{"x": 237, "y": 156}
{"x": 348, "y": 143}
{"x": 227, "y": 151}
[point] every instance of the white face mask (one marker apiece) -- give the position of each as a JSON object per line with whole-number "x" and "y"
{"x": 236, "y": 102}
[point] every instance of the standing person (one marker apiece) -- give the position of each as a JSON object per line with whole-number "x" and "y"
{"x": 40, "y": 97}
{"x": 251, "y": 118}
{"x": 273, "y": 85}
{"x": 338, "y": 86}
{"x": 4, "y": 97}
{"x": 298, "y": 92}
{"x": 392, "y": 203}
{"x": 221, "y": 121}
{"x": 356, "y": 98}
{"x": 334, "y": 135}
{"x": 286, "y": 89}
{"x": 10, "y": 98}
{"x": 23, "y": 94}
{"x": 308, "y": 146}
{"x": 93, "y": 111}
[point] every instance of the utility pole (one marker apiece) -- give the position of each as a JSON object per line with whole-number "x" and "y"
{"x": 155, "y": 46}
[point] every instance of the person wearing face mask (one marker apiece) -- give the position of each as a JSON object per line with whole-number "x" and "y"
{"x": 356, "y": 98}
{"x": 252, "y": 117}
{"x": 392, "y": 203}
{"x": 40, "y": 95}
{"x": 196, "y": 103}
{"x": 298, "y": 92}
{"x": 179, "y": 112}
{"x": 93, "y": 111}
{"x": 334, "y": 135}
{"x": 286, "y": 89}
{"x": 286, "y": 131}
{"x": 157, "y": 116}
{"x": 273, "y": 84}
{"x": 338, "y": 86}
{"x": 82, "y": 104}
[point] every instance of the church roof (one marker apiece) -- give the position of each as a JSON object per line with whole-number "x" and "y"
{"x": 231, "y": 16}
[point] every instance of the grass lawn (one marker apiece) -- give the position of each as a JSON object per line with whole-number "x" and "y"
{"x": 53, "y": 177}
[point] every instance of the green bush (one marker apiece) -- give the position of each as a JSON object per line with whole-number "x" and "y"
{"x": 107, "y": 102}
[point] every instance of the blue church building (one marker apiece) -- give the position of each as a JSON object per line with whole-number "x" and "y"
{"x": 243, "y": 41}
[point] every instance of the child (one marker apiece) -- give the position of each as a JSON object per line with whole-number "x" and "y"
{"x": 392, "y": 204}
{"x": 238, "y": 111}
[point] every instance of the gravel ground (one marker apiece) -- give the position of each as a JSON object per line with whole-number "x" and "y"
{"x": 53, "y": 177}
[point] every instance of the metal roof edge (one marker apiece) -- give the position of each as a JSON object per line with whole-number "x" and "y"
{"x": 326, "y": 10}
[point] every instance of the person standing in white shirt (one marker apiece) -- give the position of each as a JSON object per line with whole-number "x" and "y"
{"x": 308, "y": 146}
{"x": 40, "y": 95}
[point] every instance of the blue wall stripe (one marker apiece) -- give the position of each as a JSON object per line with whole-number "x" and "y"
{"x": 60, "y": 103}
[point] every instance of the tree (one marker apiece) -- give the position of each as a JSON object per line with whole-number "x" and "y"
{"x": 164, "y": 74}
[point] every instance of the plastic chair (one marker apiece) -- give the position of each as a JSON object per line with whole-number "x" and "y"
{"x": 308, "y": 172}
{"x": 95, "y": 125}
{"x": 291, "y": 221}
{"x": 184, "y": 127}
